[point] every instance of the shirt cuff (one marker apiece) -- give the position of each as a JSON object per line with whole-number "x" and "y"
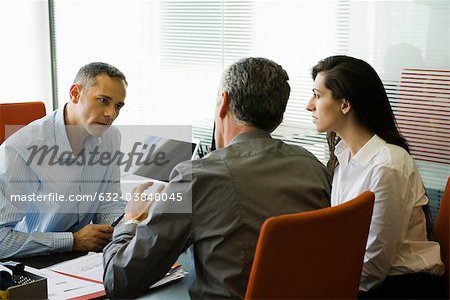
{"x": 63, "y": 241}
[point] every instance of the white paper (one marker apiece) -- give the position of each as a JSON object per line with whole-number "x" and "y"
{"x": 65, "y": 287}
{"x": 91, "y": 266}
{"x": 88, "y": 266}
{"x": 83, "y": 291}
{"x": 178, "y": 274}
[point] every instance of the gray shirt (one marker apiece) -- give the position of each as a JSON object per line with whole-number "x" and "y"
{"x": 233, "y": 191}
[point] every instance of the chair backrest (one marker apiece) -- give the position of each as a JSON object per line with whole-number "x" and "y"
{"x": 442, "y": 232}
{"x": 19, "y": 114}
{"x": 317, "y": 254}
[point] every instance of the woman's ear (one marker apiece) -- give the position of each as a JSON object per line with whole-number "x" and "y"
{"x": 345, "y": 106}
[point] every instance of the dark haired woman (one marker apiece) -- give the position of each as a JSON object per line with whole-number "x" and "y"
{"x": 367, "y": 152}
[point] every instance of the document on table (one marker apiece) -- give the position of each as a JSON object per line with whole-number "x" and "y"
{"x": 91, "y": 267}
{"x": 67, "y": 287}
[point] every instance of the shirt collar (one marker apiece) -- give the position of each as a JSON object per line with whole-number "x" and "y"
{"x": 253, "y": 134}
{"x": 364, "y": 155}
{"x": 61, "y": 138}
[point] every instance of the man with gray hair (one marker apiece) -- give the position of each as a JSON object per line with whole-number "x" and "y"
{"x": 40, "y": 204}
{"x": 250, "y": 178}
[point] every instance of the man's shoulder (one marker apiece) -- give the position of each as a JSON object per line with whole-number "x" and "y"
{"x": 261, "y": 147}
{"x": 197, "y": 166}
{"x": 207, "y": 166}
{"x": 295, "y": 150}
{"x": 35, "y": 133}
{"x": 219, "y": 160}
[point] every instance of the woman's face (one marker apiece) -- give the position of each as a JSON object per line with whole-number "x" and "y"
{"x": 326, "y": 112}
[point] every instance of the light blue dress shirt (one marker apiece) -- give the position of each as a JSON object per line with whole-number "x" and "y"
{"x": 42, "y": 227}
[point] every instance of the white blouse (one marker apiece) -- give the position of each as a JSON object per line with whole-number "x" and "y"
{"x": 397, "y": 242}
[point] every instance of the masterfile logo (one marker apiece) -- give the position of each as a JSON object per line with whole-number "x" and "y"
{"x": 55, "y": 156}
{"x": 45, "y": 171}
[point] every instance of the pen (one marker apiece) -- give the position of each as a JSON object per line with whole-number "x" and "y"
{"x": 117, "y": 220}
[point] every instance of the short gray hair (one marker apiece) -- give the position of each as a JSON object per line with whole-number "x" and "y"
{"x": 87, "y": 75}
{"x": 258, "y": 91}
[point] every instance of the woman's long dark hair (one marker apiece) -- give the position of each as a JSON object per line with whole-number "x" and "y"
{"x": 356, "y": 81}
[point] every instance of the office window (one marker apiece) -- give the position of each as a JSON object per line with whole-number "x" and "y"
{"x": 25, "y": 73}
{"x": 405, "y": 43}
{"x": 173, "y": 53}
{"x": 117, "y": 32}
{"x": 198, "y": 40}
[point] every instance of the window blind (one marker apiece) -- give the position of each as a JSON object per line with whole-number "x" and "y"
{"x": 202, "y": 32}
{"x": 421, "y": 104}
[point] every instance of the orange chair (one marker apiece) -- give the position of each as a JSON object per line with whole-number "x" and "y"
{"x": 312, "y": 255}
{"x": 19, "y": 114}
{"x": 442, "y": 232}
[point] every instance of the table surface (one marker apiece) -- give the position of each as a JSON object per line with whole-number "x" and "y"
{"x": 175, "y": 290}
{"x": 43, "y": 261}
{"x": 179, "y": 289}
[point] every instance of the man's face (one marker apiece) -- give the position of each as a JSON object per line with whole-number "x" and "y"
{"x": 99, "y": 105}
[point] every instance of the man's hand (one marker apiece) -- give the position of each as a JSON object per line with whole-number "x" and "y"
{"x": 137, "y": 208}
{"x": 92, "y": 237}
